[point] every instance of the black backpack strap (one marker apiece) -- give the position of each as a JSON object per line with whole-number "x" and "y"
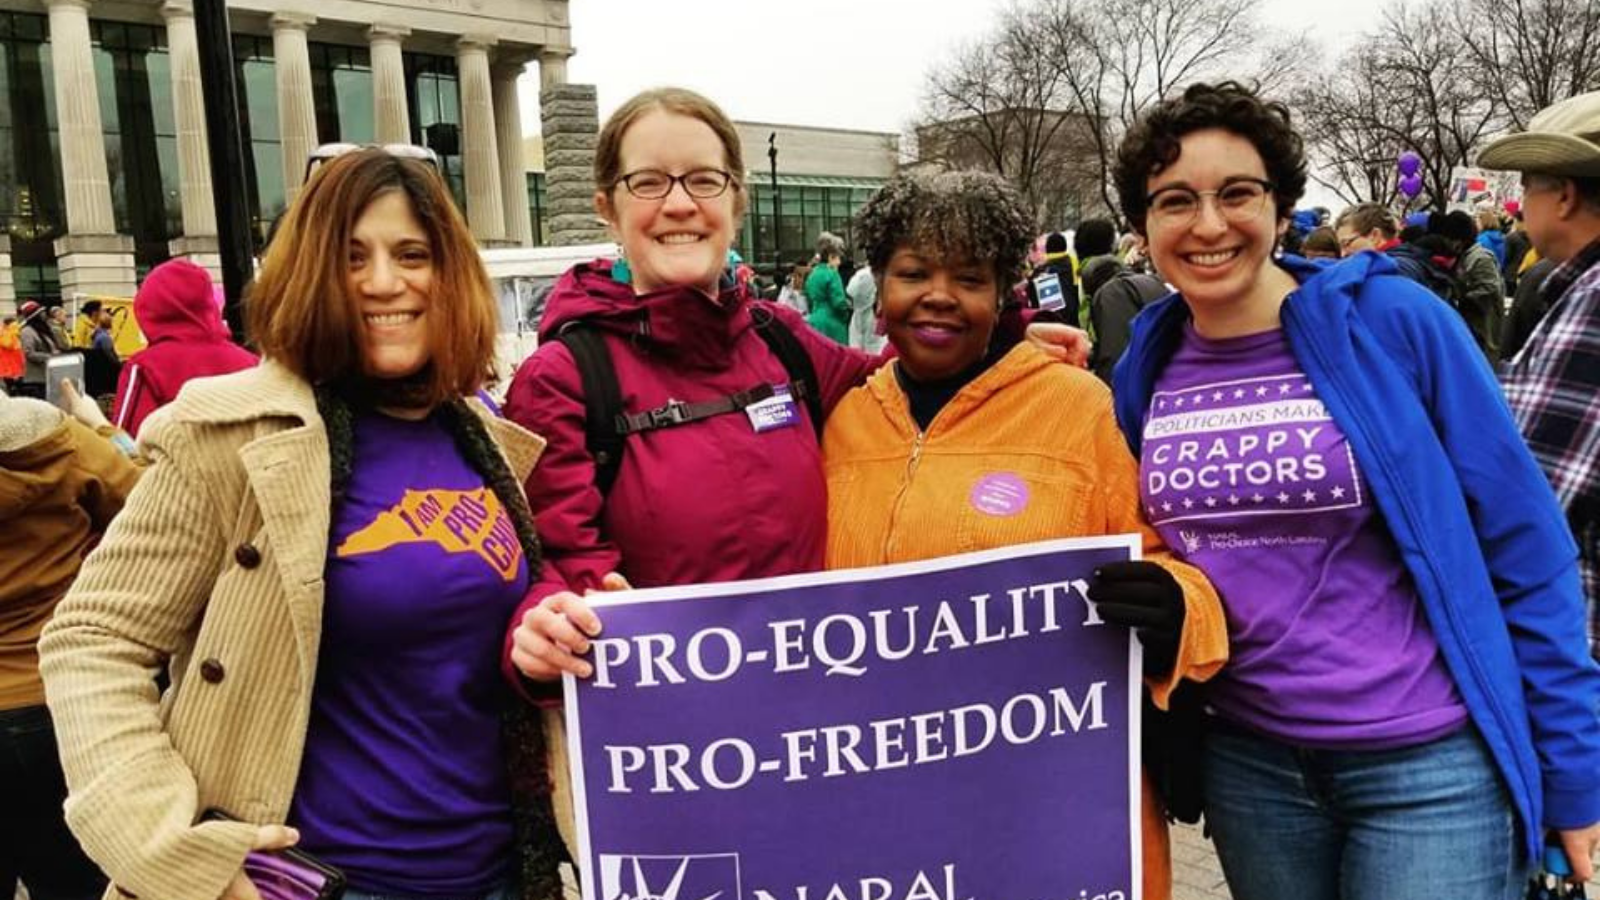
{"x": 796, "y": 361}
{"x": 602, "y": 401}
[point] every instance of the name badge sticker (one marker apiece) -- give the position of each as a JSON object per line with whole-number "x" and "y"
{"x": 1049, "y": 290}
{"x": 777, "y": 411}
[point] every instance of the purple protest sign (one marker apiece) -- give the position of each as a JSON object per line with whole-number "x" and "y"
{"x": 959, "y": 729}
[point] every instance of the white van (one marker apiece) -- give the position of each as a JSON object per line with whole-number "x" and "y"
{"x": 522, "y": 279}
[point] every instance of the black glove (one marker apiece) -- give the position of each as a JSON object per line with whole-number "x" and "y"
{"x": 1145, "y": 597}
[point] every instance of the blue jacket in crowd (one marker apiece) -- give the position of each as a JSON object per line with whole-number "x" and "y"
{"x": 1473, "y": 516}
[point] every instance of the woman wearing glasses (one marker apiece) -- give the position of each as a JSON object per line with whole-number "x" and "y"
{"x": 710, "y": 498}
{"x": 1409, "y": 703}
{"x": 719, "y": 476}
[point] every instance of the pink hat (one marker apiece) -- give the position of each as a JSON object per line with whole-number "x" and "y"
{"x": 28, "y": 308}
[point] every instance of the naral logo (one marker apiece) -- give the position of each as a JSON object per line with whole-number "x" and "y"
{"x": 708, "y": 876}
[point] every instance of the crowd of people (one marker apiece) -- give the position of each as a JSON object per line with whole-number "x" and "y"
{"x": 333, "y": 614}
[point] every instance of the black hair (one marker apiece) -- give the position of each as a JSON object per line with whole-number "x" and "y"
{"x": 1454, "y": 225}
{"x": 1155, "y": 141}
{"x": 1094, "y": 237}
{"x": 949, "y": 215}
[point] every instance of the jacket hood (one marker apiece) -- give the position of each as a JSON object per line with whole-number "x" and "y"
{"x": 177, "y": 302}
{"x": 34, "y": 439}
{"x": 679, "y": 323}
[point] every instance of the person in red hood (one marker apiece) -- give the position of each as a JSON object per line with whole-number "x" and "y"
{"x": 177, "y": 311}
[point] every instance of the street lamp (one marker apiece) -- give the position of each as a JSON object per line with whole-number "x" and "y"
{"x": 777, "y": 240}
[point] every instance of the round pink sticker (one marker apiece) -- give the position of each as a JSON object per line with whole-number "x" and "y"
{"x": 1000, "y": 494}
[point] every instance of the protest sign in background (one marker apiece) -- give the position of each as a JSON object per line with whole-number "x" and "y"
{"x": 960, "y": 728}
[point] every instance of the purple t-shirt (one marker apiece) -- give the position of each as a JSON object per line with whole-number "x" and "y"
{"x": 403, "y": 784}
{"x": 1246, "y": 476}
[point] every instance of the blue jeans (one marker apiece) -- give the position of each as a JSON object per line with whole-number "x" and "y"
{"x": 1418, "y": 823}
{"x": 504, "y": 892}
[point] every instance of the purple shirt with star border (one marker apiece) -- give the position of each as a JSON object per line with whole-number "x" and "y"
{"x": 403, "y": 784}
{"x": 1246, "y": 476}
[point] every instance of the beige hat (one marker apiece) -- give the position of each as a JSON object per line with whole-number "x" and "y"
{"x": 1563, "y": 139}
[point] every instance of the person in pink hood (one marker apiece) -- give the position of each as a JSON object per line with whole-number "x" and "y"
{"x": 177, "y": 311}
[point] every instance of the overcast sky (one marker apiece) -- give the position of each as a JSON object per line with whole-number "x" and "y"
{"x": 831, "y": 63}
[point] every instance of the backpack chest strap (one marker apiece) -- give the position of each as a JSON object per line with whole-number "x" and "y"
{"x": 677, "y": 412}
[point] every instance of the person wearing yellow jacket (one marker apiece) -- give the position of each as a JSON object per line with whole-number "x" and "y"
{"x": 972, "y": 440}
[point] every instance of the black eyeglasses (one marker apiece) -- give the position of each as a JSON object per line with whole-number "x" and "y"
{"x": 654, "y": 184}
{"x": 327, "y": 152}
{"x": 1240, "y": 200}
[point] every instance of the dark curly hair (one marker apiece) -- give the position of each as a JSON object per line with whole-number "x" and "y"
{"x": 949, "y": 216}
{"x": 1153, "y": 143}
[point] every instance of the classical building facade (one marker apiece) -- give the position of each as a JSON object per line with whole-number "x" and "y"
{"x": 104, "y": 166}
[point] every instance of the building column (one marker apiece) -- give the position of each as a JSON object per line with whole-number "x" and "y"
{"x": 199, "y": 241}
{"x": 569, "y": 120}
{"x": 480, "y": 156}
{"x": 92, "y": 257}
{"x": 513, "y": 167}
{"x": 391, "y": 119}
{"x": 297, "y": 114}
{"x": 8, "y": 283}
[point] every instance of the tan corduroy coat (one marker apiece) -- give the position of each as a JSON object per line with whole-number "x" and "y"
{"x": 213, "y": 570}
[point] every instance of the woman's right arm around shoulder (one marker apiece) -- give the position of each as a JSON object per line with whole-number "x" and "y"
{"x": 133, "y": 799}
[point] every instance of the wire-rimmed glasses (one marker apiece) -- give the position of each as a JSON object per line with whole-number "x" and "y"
{"x": 1238, "y": 200}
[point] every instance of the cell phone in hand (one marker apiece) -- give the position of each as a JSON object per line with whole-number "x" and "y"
{"x": 287, "y": 874}
{"x": 66, "y": 366}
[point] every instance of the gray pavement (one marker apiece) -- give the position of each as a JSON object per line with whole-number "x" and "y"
{"x": 1195, "y": 872}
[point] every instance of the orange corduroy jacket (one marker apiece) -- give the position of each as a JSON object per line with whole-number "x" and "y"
{"x": 897, "y": 494}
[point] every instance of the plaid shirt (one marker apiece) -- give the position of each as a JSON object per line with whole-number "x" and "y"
{"x": 1553, "y": 386}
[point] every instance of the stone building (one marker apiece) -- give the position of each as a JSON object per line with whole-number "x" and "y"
{"x": 104, "y": 167}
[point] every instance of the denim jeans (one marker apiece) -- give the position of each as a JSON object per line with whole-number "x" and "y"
{"x": 504, "y": 892}
{"x": 35, "y": 845}
{"x": 1417, "y": 823}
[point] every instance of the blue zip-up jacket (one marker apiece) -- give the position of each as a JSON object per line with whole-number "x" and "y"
{"x": 1474, "y": 518}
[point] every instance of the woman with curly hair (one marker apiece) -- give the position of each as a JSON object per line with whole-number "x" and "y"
{"x": 972, "y": 440}
{"x": 323, "y": 555}
{"x": 1409, "y": 702}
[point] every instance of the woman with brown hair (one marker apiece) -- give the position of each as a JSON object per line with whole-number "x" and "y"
{"x": 323, "y": 555}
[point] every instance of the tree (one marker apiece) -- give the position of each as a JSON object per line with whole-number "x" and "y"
{"x": 1118, "y": 57}
{"x": 994, "y": 107}
{"x": 1529, "y": 54}
{"x": 1410, "y": 85}
{"x": 1045, "y": 98}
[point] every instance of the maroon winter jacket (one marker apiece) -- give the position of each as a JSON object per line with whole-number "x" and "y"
{"x": 707, "y": 501}
{"x": 177, "y": 311}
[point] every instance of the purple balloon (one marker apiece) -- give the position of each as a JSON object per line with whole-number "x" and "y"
{"x": 1411, "y": 185}
{"x": 1409, "y": 163}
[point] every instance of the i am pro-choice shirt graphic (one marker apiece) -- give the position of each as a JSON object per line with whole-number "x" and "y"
{"x": 403, "y": 783}
{"x": 1246, "y": 475}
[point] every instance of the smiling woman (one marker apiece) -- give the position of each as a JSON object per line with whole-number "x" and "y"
{"x": 324, "y": 554}
{"x": 1409, "y": 702}
{"x": 971, "y": 440}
